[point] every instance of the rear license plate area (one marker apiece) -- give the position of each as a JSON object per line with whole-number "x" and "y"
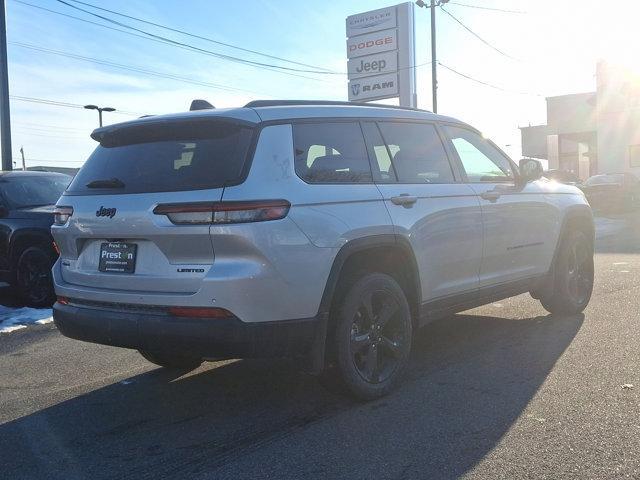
{"x": 118, "y": 257}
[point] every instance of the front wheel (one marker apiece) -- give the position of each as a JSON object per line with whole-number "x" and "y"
{"x": 176, "y": 362}
{"x": 33, "y": 277}
{"x": 573, "y": 276}
{"x": 372, "y": 336}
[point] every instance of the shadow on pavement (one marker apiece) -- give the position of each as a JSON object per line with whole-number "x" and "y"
{"x": 471, "y": 378}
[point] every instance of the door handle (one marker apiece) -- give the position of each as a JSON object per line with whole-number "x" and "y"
{"x": 491, "y": 195}
{"x": 404, "y": 199}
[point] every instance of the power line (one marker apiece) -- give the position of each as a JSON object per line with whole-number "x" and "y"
{"x": 144, "y": 37}
{"x": 474, "y": 34}
{"x": 481, "y": 8}
{"x": 51, "y": 161}
{"x": 200, "y": 37}
{"x": 131, "y": 68}
{"x": 487, "y": 84}
{"x": 48, "y": 127}
{"x": 66, "y": 104}
{"x": 59, "y": 137}
{"x": 230, "y": 58}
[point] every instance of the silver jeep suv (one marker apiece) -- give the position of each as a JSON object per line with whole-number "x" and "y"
{"x": 326, "y": 232}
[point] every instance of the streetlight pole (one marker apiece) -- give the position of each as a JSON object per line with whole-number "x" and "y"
{"x": 434, "y": 59}
{"x": 99, "y": 109}
{"x": 5, "y": 120}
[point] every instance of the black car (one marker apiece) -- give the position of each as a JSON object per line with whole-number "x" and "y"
{"x": 613, "y": 192}
{"x": 563, "y": 176}
{"x": 27, "y": 252}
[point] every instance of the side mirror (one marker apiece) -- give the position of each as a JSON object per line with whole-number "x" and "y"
{"x": 530, "y": 170}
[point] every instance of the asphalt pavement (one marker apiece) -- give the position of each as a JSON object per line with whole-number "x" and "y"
{"x": 504, "y": 391}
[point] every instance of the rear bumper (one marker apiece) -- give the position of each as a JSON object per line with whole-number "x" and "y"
{"x": 201, "y": 337}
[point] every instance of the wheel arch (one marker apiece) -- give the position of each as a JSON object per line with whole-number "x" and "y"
{"x": 577, "y": 217}
{"x": 375, "y": 253}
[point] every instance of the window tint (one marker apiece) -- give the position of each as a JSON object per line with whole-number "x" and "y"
{"x": 481, "y": 160}
{"x": 418, "y": 155}
{"x": 331, "y": 153}
{"x": 33, "y": 191}
{"x": 165, "y": 158}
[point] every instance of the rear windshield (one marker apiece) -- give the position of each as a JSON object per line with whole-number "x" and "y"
{"x": 166, "y": 158}
{"x": 25, "y": 192}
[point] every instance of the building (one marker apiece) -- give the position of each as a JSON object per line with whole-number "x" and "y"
{"x": 590, "y": 133}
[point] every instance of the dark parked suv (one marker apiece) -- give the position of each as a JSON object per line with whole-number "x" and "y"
{"x": 27, "y": 252}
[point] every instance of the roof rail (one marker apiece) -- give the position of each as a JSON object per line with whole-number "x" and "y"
{"x": 283, "y": 103}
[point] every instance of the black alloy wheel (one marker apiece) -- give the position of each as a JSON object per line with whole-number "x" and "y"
{"x": 372, "y": 336}
{"x": 33, "y": 277}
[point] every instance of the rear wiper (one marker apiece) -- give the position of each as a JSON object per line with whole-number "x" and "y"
{"x": 106, "y": 183}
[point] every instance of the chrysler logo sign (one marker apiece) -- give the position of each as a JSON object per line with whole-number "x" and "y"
{"x": 371, "y": 21}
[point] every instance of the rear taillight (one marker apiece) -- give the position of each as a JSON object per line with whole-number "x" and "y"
{"x": 224, "y": 212}
{"x": 61, "y": 215}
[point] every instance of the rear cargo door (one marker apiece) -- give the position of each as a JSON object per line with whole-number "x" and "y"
{"x": 115, "y": 238}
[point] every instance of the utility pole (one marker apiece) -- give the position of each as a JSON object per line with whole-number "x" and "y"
{"x": 434, "y": 63}
{"x": 434, "y": 58}
{"x": 100, "y": 110}
{"x": 24, "y": 163}
{"x": 5, "y": 120}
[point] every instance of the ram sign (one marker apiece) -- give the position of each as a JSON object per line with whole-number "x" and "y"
{"x": 380, "y": 86}
{"x": 381, "y": 55}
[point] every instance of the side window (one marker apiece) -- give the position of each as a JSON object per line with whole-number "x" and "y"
{"x": 418, "y": 155}
{"x": 331, "y": 153}
{"x": 481, "y": 161}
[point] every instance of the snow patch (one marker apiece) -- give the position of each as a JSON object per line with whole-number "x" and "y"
{"x": 12, "y": 319}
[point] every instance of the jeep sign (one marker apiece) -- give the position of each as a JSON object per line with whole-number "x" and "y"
{"x": 380, "y": 86}
{"x": 381, "y": 55}
{"x": 386, "y": 62}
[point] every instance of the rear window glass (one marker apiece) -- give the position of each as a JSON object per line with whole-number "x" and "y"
{"x": 331, "y": 153}
{"x": 604, "y": 179}
{"x": 33, "y": 191}
{"x": 165, "y": 158}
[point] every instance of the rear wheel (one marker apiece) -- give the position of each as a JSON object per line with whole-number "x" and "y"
{"x": 33, "y": 277}
{"x": 372, "y": 337}
{"x": 573, "y": 276}
{"x": 171, "y": 361}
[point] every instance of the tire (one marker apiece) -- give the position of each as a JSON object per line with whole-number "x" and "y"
{"x": 176, "y": 362}
{"x": 372, "y": 337}
{"x": 33, "y": 277}
{"x": 572, "y": 276}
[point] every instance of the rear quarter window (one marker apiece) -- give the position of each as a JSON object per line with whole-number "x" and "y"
{"x": 168, "y": 157}
{"x": 331, "y": 152}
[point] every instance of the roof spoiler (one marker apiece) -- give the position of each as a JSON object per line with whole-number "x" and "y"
{"x": 198, "y": 104}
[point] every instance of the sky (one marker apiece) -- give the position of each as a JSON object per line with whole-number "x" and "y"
{"x": 548, "y": 48}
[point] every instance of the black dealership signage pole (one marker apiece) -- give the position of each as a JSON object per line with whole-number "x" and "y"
{"x": 5, "y": 121}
